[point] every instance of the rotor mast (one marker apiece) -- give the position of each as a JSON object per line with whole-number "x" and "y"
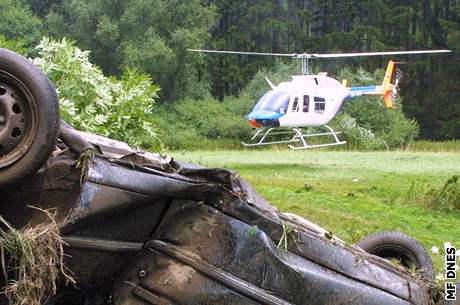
{"x": 304, "y": 66}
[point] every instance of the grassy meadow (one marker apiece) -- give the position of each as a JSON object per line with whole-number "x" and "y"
{"x": 352, "y": 194}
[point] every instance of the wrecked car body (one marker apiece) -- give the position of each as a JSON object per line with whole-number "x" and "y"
{"x": 140, "y": 228}
{"x": 146, "y": 229}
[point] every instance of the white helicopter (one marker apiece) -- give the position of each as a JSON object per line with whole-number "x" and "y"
{"x": 312, "y": 100}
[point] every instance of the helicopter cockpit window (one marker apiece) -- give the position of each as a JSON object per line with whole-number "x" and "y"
{"x": 320, "y": 104}
{"x": 306, "y": 103}
{"x": 275, "y": 101}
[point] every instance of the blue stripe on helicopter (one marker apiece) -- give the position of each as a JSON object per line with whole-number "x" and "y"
{"x": 358, "y": 91}
{"x": 368, "y": 88}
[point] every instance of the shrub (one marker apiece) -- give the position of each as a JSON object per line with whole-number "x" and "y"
{"x": 203, "y": 124}
{"x": 446, "y": 198}
{"x": 17, "y": 46}
{"x": 118, "y": 108}
{"x": 358, "y": 137}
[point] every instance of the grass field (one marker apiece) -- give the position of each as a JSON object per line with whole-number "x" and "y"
{"x": 351, "y": 194}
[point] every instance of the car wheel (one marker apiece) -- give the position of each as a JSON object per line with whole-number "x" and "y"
{"x": 29, "y": 117}
{"x": 405, "y": 250}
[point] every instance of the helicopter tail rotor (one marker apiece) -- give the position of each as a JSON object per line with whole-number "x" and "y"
{"x": 397, "y": 78}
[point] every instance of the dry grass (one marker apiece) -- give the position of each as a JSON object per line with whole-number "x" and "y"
{"x": 446, "y": 198}
{"x": 433, "y": 146}
{"x": 32, "y": 261}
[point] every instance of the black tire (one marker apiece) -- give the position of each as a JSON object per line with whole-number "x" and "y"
{"x": 396, "y": 245}
{"x": 29, "y": 117}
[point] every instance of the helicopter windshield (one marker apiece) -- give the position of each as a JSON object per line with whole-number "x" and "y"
{"x": 275, "y": 101}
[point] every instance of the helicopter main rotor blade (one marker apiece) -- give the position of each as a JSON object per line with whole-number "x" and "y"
{"x": 319, "y": 55}
{"x": 338, "y": 55}
{"x": 242, "y": 53}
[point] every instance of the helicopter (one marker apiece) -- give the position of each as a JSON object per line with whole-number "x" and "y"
{"x": 313, "y": 100}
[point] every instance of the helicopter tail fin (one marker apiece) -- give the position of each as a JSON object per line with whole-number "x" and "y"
{"x": 390, "y": 84}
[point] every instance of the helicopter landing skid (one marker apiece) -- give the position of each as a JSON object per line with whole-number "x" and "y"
{"x": 298, "y": 136}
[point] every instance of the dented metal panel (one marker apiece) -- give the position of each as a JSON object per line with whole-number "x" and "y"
{"x": 242, "y": 257}
{"x": 229, "y": 195}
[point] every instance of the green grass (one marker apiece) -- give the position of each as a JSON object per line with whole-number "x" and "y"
{"x": 350, "y": 193}
{"x": 433, "y": 146}
{"x": 193, "y": 142}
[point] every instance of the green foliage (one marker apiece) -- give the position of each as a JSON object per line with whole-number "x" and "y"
{"x": 289, "y": 26}
{"x": 17, "y": 22}
{"x": 196, "y": 124}
{"x": 117, "y": 108}
{"x": 446, "y": 198}
{"x": 354, "y": 234}
{"x": 149, "y": 35}
{"x": 13, "y": 45}
{"x": 280, "y": 72}
{"x": 153, "y": 36}
{"x": 358, "y": 137}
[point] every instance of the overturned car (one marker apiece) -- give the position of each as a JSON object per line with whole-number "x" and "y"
{"x": 140, "y": 228}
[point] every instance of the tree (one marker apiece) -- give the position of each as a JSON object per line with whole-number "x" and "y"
{"x": 17, "y": 22}
{"x": 151, "y": 35}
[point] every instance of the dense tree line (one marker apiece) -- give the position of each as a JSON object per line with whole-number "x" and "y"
{"x": 154, "y": 34}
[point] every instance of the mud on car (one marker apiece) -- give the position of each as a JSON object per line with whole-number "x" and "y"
{"x": 141, "y": 228}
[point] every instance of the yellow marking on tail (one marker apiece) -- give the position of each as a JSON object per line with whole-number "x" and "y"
{"x": 388, "y": 75}
{"x": 387, "y": 86}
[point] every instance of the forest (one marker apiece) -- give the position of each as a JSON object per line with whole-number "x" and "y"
{"x": 151, "y": 37}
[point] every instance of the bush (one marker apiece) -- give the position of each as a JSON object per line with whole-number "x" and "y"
{"x": 203, "y": 124}
{"x": 118, "y": 108}
{"x": 17, "y": 46}
{"x": 446, "y": 198}
{"x": 358, "y": 137}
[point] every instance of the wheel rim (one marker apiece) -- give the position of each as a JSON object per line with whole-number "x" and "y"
{"x": 18, "y": 119}
{"x": 406, "y": 258}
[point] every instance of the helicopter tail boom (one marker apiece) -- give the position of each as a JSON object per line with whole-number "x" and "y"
{"x": 388, "y": 88}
